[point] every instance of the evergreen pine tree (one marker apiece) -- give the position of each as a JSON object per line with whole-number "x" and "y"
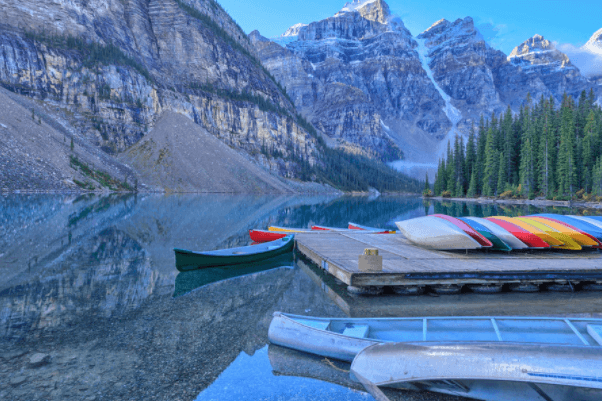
{"x": 501, "y": 177}
{"x": 472, "y": 186}
{"x": 451, "y": 170}
{"x": 491, "y": 166}
{"x": 589, "y": 147}
{"x": 471, "y": 154}
{"x": 526, "y": 168}
{"x": 440, "y": 180}
{"x": 510, "y": 149}
{"x": 459, "y": 166}
{"x": 597, "y": 178}
{"x": 566, "y": 169}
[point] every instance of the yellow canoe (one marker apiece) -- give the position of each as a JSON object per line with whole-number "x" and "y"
{"x": 289, "y": 230}
{"x": 579, "y": 238}
{"x": 568, "y": 241}
{"x": 533, "y": 230}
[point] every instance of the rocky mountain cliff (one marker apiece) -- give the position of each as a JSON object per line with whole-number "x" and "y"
{"x": 367, "y": 82}
{"x": 357, "y": 78}
{"x": 114, "y": 66}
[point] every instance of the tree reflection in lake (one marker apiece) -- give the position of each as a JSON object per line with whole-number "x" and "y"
{"x": 89, "y": 281}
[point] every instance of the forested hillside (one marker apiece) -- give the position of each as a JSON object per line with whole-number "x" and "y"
{"x": 546, "y": 149}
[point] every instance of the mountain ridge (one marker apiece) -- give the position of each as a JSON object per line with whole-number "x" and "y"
{"x": 461, "y": 73}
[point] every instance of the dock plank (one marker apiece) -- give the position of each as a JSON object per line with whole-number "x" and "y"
{"x": 407, "y": 264}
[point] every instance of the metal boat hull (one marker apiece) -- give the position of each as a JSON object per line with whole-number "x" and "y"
{"x": 484, "y": 371}
{"x": 344, "y": 338}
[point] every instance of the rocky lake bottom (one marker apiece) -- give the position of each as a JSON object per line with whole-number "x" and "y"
{"x": 92, "y": 306}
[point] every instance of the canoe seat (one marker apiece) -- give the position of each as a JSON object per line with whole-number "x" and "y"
{"x": 595, "y": 332}
{"x": 356, "y": 330}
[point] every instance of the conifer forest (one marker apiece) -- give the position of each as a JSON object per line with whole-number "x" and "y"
{"x": 544, "y": 150}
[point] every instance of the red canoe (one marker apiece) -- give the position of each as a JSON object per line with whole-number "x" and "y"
{"x": 531, "y": 240}
{"x": 354, "y": 226}
{"x": 324, "y": 228}
{"x": 484, "y": 242}
{"x": 265, "y": 236}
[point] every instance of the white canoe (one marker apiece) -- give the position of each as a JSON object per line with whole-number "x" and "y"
{"x": 435, "y": 233}
{"x": 344, "y": 338}
{"x": 484, "y": 371}
{"x": 501, "y": 233}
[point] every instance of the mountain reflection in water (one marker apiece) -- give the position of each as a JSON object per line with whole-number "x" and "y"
{"x": 89, "y": 281}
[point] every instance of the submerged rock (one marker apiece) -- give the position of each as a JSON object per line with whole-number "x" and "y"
{"x": 38, "y": 359}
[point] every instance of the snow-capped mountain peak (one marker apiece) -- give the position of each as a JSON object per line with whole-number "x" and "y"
{"x": 355, "y": 5}
{"x": 445, "y": 33}
{"x": 293, "y": 30}
{"x": 536, "y": 44}
{"x": 539, "y": 51}
{"x": 373, "y": 10}
{"x": 594, "y": 44}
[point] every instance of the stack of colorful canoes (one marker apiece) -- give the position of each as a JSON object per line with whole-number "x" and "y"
{"x": 501, "y": 233}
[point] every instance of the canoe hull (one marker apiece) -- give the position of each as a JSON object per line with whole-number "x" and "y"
{"x": 498, "y": 244}
{"x": 289, "y": 333}
{"x": 531, "y": 240}
{"x": 500, "y": 232}
{"x": 354, "y": 226}
{"x": 435, "y": 233}
{"x": 344, "y": 338}
{"x": 265, "y": 236}
{"x": 484, "y": 242}
{"x": 582, "y": 237}
{"x": 485, "y": 371}
{"x": 190, "y": 260}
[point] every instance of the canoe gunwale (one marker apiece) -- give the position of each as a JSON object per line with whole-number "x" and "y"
{"x": 200, "y": 260}
{"x": 338, "y": 346}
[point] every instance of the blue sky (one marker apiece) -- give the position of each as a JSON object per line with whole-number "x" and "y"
{"x": 505, "y": 24}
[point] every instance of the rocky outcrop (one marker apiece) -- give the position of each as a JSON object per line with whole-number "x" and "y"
{"x": 114, "y": 66}
{"x": 538, "y": 68}
{"x": 180, "y": 156}
{"x": 463, "y": 66}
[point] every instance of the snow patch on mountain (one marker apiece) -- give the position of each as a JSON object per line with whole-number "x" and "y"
{"x": 291, "y": 35}
{"x": 451, "y": 112}
{"x": 594, "y": 44}
{"x": 588, "y": 60}
{"x": 293, "y": 30}
{"x": 355, "y": 5}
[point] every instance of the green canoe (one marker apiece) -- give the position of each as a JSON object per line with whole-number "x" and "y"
{"x": 190, "y": 260}
{"x": 193, "y": 279}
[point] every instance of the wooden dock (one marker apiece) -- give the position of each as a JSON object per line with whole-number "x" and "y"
{"x": 578, "y": 304}
{"x": 407, "y": 265}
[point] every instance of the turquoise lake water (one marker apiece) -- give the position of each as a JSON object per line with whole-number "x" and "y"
{"x": 89, "y": 282}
